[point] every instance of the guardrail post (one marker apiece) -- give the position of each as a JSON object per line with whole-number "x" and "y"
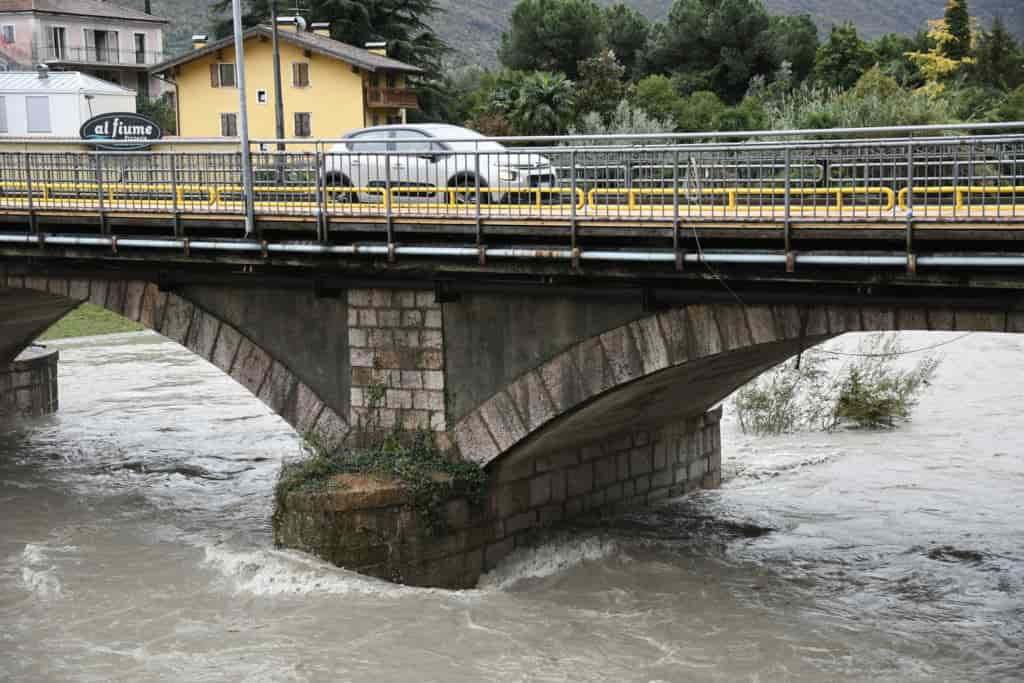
{"x": 911, "y": 260}
{"x": 388, "y": 198}
{"x": 476, "y": 181}
{"x": 675, "y": 210}
{"x": 174, "y": 194}
{"x": 572, "y": 211}
{"x": 321, "y": 193}
{"x": 98, "y": 169}
{"x": 787, "y": 204}
{"x": 33, "y": 226}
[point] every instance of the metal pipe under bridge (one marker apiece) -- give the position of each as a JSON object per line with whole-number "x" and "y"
{"x": 949, "y": 196}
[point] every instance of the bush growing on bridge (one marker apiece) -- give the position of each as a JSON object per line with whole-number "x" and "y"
{"x": 806, "y": 394}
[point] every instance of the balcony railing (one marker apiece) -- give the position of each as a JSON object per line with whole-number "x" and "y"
{"x": 398, "y": 98}
{"x": 100, "y": 55}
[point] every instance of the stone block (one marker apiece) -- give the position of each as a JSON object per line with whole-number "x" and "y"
{"x": 1015, "y": 322}
{"x": 591, "y": 452}
{"x": 580, "y": 480}
{"x": 251, "y": 366}
{"x": 605, "y": 471}
{"x": 376, "y": 338}
{"x": 380, "y": 298}
{"x": 415, "y": 419}
{"x": 330, "y": 428}
{"x": 389, "y": 317}
{"x": 558, "y": 486}
{"x": 657, "y": 495}
{"x": 413, "y": 318}
{"x": 622, "y": 466}
{"x": 512, "y": 498}
{"x": 500, "y": 415}
{"x": 698, "y": 468}
{"x": 520, "y": 522}
{"x": 78, "y": 289}
{"x": 660, "y": 455}
{"x": 433, "y": 379}
{"x": 475, "y": 441}
{"x": 367, "y": 317}
{"x": 360, "y": 358}
{"x": 152, "y": 312}
{"x": 177, "y": 318}
{"x": 540, "y": 490}
{"x": 425, "y": 299}
{"x": 432, "y": 319}
{"x": 661, "y": 479}
{"x": 732, "y": 324}
{"x": 427, "y": 400}
{"x": 877, "y": 318}
{"x": 622, "y": 354}
{"x": 505, "y": 471}
{"x": 707, "y": 341}
{"x": 613, "y": 493}
{"x": 642, "y": 484}
{"x": 278, "y": 390}
{"x": 134, "y": 292}
{"x": 360, "y": 297}
{"x": 398, "y": 398}
{"x": 307, "y": 408}
{"x": 431, "y": 339}
{"x": 650, "y": 343}
{"x": 496, "y": 552}
{"x": 563, "y": 382}
{"x": 98, "y": 292}
{"x": 226, "y": 347}
{"x": 911, "y": 319}
{"x": 981, "y": 321}
{"x": 675, "y": 331}
{"x": 203, "y": 334}
{"x": 439, "y": 423}
{"x": 403, "y": 298}
{"x": 761, "y": 322}
{"x": 588, "y": 357}
{"x": 550, "y": 514}
{"x": 640, "y": 460}
{"x": 532, "y": 401}
{"x": 595, "y": 500}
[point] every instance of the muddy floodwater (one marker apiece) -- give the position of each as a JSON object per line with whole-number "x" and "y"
{"x": 135, "y": 545}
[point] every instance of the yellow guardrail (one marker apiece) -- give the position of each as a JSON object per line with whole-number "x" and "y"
{"x": 733, "y": 193}
{"x": 959, "y": 192}
{"x": 189, "y": 195}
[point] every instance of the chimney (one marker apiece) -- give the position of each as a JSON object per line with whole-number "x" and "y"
{"x": 291, "y": 24}
{"x": 378, "y": 48}
{"x": 322, "y": 28}
{"x": 199, "y": 41}
{"x": 42, "y": 71}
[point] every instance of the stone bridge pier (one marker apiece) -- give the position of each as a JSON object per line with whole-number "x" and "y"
{"x": 573, "y": 405}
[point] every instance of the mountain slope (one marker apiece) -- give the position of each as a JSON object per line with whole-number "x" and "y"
{"x": 473, "y": 27}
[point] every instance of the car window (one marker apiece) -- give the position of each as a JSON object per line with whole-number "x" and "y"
{"x": 370, "y": 141}
{"x": 415, "y": 142}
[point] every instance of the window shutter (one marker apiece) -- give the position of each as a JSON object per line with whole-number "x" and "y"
{"x": 214, "y": 76}
{"x": 295, "y": 74}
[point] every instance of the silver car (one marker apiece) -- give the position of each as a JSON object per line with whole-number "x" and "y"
{"x": 435, "y": 163}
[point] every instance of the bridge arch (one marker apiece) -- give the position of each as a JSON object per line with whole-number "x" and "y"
{"x": 247, "y": 360}
{"x": 670, "y": 366}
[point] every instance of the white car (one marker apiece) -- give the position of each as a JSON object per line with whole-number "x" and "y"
{"x": 435, "y": 163}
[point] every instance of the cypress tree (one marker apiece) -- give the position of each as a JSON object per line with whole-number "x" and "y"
{"x": 958, "y": 23}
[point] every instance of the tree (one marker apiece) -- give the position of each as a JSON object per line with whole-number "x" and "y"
{"x": 793, "y": 39}
{"x": 656, "y": 96}
{"x": 935, "y": 64}
{"x": 892, "y": 51}
{"x": 600, "y": 86}
{"x": 535, "y": 103}
{"x": 958, "y": 22}
{"x": 627, "y": 32}
{"x": 999, "y": 61}
{"x": 552, "y": 35}
{"x": 402, "y": 24}
{"x": 714, "y": 44}
{"x": 843, "y": 58}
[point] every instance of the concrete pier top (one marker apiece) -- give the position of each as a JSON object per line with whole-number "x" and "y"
{"x": 28, "y": 385}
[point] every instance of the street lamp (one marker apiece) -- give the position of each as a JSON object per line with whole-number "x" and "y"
{"x": 243, "y": 118}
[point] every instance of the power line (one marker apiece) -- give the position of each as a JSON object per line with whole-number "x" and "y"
{"x": 894, "y": 354}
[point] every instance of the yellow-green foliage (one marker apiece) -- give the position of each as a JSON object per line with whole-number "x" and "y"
{"x": 88, "y": 320}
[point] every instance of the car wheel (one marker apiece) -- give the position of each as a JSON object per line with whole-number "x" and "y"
{"x": 466, "y": 193}
{"x": 334, "y": 182}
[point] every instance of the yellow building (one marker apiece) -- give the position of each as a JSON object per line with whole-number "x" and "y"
{"x": 328, "y": 87}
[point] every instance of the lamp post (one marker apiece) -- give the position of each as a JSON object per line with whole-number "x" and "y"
{"x": 243, "y": 117}
{"x": 278, "y": 97}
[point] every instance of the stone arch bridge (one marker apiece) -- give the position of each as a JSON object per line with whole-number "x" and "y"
{"x": 573, "y": 403}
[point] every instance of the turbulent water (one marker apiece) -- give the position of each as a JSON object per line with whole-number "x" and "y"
{"x": 135, "y": 545}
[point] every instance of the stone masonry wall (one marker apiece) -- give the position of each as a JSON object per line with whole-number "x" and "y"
{"x": 375, "y": 533}
{"x": 396, "y": 350}
{"x": 28, "y": 386}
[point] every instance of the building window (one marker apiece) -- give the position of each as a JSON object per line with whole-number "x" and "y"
{"x": 142, "y": 89}
{"x": 102, "y": 46}
{"x": 3, "y": 114}
{"x": 300, "y": 74}
{"x": 222, "y": 75}
{"x": 58, "y": 42}
{"x": 8, "y": 33}
{"x": 140, "y": 48}
{"x": 303, "y": 124}
{"x": 374, "y": 80}
{"x": 261, "y": 97}
{"x": 37, "y": 113}
{"x": 229, "y": 125}
{"x": 390, "y": 80}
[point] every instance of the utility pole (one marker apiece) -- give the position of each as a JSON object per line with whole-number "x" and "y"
{"x": 278, "y": 95}
{"x": 243, "y": 118}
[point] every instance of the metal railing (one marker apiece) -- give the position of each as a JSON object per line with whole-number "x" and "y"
{"x": 99, "y": 55}
{"x": 629, "y": 180}
{"x": 391, "y": 97}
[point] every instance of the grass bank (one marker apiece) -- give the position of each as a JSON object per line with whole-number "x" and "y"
{"x": 89, "y": 320}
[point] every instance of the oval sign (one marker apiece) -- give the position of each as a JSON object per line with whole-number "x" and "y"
{"x": 123, "y": 130}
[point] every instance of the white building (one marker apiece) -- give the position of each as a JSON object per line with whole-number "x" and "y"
{"x": 116, "y": 44}
{"x": 56, "y": 104}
